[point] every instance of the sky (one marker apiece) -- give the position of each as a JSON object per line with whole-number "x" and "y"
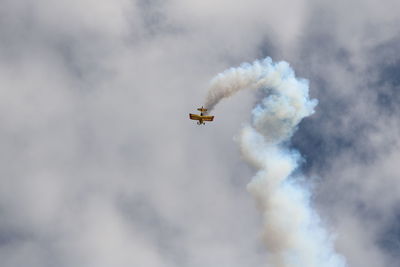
{"x": 100, "y": 165}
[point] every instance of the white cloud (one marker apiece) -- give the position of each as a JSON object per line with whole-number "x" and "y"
{"x": 93, "y": 111}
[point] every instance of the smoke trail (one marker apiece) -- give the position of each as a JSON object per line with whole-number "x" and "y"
{"x": 292, "y": 231}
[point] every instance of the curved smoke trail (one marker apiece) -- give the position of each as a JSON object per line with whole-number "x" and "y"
{"x": 292, "y": 231}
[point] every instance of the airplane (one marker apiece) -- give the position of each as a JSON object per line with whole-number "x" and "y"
{"x": 201, "y": 118}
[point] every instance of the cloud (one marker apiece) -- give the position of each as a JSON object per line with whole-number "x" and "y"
{"x": 353, "y": 136}
{"x": 100, "y": 166}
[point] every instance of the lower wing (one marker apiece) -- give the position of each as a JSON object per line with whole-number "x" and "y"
{"x": 194, "y": 117}
{"x": 207, "y": 118}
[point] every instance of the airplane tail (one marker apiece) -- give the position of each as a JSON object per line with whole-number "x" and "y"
{"x": 202, "y": 109}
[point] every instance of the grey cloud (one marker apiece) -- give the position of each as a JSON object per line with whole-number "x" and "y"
{"x": 101, "y": 167}
{"x": 352, "y": 140}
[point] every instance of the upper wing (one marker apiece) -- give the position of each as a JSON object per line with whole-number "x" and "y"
{"x": 194, "y": 117}
{"x": 207, "y": 118}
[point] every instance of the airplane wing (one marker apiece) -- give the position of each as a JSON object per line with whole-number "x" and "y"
{"x": 207, "y": 118}
{"x": 194, "y": 117}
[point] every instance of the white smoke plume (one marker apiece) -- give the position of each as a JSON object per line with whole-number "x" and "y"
{"x": 292, "y": 231}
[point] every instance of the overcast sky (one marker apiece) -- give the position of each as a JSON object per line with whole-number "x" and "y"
{"x": 100, "y": 165}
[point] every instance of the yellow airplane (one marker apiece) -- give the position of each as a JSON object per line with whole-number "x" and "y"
{"x": 201, "y": 118}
